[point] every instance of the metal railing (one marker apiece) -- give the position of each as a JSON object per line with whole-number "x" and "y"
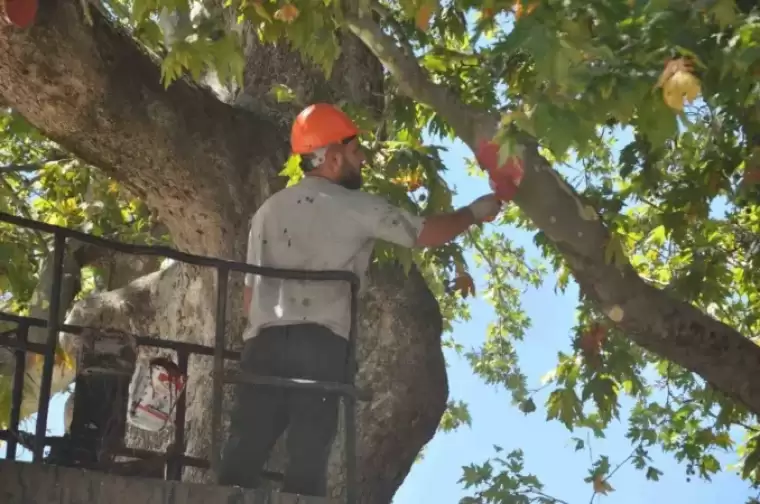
{"x": 178, "y": 459}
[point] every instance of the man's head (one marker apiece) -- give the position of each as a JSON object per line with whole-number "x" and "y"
{"x": 327, "y": 141}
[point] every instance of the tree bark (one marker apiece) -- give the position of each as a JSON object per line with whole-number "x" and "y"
{"x": 205, "y": 166}
{"x": 657, "y": 321}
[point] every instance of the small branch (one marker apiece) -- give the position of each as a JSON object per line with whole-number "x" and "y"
{"x": 624, "y": 462}
{"x": 667, "y": 386}
{"x": 546, "y": 496}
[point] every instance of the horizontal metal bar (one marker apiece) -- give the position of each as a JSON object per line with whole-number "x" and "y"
{"x": 152, "y": 341}
{"x": 187, "y": 460}
{"x": 153, "y": 250}
{"x": 237, "y": 376}
{"x": 26, "y": 438}
{"x": 24, "y": 346}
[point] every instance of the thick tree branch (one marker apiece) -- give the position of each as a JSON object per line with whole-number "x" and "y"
{"x": 96, "y": 93}
{"x": 414, "y": 83}
{"x": 651, "y": 317}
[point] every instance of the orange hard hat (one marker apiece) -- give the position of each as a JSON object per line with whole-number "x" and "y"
{"x": 318, "y": 126}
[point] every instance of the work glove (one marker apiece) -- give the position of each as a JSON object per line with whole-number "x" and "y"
{"x": 485, "y": 208}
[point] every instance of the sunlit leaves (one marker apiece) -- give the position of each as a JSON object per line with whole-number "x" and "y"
{"x": 503, "y": 479}
{"x": 456, "y": 415}
{"x": 60, "y": 190}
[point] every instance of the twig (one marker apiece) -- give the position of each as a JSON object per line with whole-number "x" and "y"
{"x": 667, "y": 386}
{"x": 492, "y": 265}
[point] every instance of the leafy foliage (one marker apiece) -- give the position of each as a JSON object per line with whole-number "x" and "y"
{"x": 680, "y": 79}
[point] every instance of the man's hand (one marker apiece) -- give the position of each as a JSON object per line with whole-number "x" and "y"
{"x": 485, "y": 208}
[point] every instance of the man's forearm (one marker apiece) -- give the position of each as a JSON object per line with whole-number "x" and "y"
{"x": 441, "y": 229}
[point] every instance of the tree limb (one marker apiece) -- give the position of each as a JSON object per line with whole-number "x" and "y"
{"x": 414, "y": 82}
{"x": 652, "y": 318}
{"x": 96, "y": 93}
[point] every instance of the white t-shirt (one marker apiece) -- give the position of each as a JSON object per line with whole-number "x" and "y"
{"x": 318, "y": 225}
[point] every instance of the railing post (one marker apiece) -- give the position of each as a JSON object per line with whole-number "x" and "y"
{"x": 222, "y": 274}
{"x": 175, "y": 461}
{"x": 17, "y": 395}
{"x": 59, "y": 248}
{"x": 349, "y": 402}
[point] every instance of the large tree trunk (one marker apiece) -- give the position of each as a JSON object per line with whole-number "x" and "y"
{"x": 205, "y": 166}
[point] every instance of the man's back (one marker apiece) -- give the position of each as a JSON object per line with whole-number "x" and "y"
{"x": 317, "y": 225}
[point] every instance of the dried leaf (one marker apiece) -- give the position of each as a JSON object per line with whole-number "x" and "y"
{"x": 752, "y": 175}
{"x": 592, "y": 339}
{"x": 521, "y": 11}
{"x": 411, "y": 181}
{"x": 601, "y": 486}
{"x": 463, "y": 282}
{"x": 287, "y": 13}
{"x": 423, "y": 16}
{"x": 465, "y": 285}
{"x": 678, "y": 83}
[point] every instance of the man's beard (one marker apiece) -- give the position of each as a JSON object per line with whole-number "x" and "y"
{"x": 351, "y": 179}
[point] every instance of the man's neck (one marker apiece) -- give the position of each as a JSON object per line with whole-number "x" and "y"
{"x": 322, "y": 176}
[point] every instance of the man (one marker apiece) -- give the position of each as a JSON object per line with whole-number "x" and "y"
{"x": 300, "y": 328}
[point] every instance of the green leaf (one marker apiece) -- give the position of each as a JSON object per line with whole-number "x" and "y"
{"x": 614, "y": 252}
{"x": 752, "y": 459}
{"x": 724, "y": 12}
{"x": 282, "y": 93}
{"x": 142, "y": 8}
{"x": 292, "y": 169}
{"x": 563, "y": 404}
{"x": 528, "y": 406}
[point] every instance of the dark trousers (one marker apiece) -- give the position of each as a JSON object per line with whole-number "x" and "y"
{"x": 262, "y": 413}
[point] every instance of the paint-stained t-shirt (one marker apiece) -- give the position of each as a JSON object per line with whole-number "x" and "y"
{"x": 318, "y": 225}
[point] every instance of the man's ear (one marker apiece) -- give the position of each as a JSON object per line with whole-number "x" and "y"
{"x": 335, "y": 158}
